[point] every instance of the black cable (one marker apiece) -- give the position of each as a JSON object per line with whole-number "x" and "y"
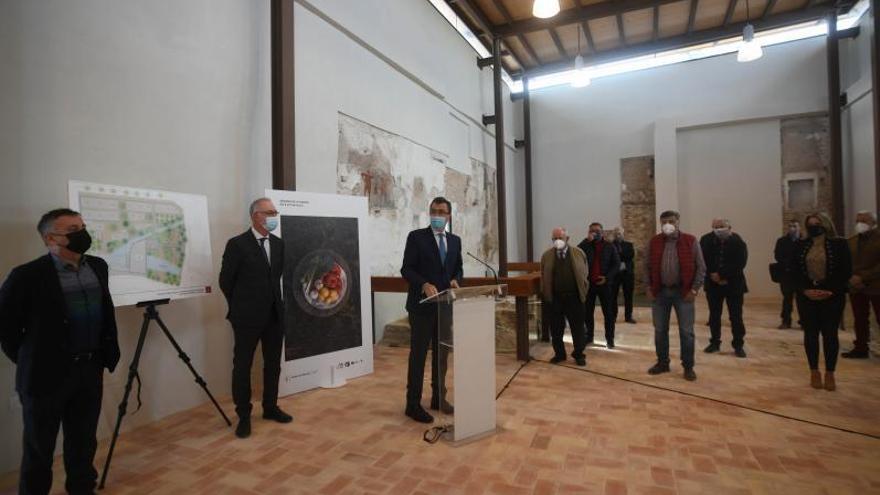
{"x": 510, "y": 380}
{"x": 733, "y": 404}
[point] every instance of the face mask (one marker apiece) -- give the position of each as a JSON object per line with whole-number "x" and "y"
{"x": 668, "y": 228}
{"x": 559, "y": 244}
{"x": 862, "y": 227}
{"x": 722, "y": 233}
{"x": 597, "y": 236}
{"x": 815, "y": 230}
{"x": 794, "y": 231}
{"x": 438, "y": 223}
{"x": 79, "y": 242}
{"x": 271, "y": 223}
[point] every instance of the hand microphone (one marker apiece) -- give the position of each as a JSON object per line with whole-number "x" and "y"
{"x": 487, "y": 265}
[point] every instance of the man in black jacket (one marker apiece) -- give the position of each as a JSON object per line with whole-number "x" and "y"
{"x": 250, "y": 278}
{"x": 784, "y": 253}
{"x": 726, "y": 256}
{"x": 58, "y": 325}
{"x": 431, "y": 263}
{"x": 603, "y": 263}
{"x": 626, "y": 277}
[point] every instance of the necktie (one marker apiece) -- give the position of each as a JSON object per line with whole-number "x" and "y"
{"x": 263, "y": 250}
{"x": 442, "y": 245}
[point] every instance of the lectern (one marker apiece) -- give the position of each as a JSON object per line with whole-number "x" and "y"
{"x": 466, "y": 340}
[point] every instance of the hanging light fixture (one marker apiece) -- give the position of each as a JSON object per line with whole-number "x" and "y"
{"x": 580, "y": 78}
{"x": 545, "y": 8}
{"x": 749, "y": 49}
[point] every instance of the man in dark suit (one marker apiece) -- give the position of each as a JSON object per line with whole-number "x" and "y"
{"x": 250, "y": 278}
{"x": 58, "y": 325}
{"x": 603, "y": 263}
{"x": 726, "y": 255}
{"x": 626, "y": 277}
{"x": 431, "y": 263}
{"x": 784, "y": 254}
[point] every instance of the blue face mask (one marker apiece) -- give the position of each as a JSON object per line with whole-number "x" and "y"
{"x": 597, "y": 236}
{"x": 271, "y": 223}
{"x": 438, "y": 223}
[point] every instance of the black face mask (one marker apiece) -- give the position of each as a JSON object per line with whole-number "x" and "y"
{"x": 815, "y": 230}
{"x": 79, "y": 242}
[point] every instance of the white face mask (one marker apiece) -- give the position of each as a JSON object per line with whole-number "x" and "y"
{"x": 862, "y": 227}
{"x": 559, "y": 244}
{"x": 668, "y": 228}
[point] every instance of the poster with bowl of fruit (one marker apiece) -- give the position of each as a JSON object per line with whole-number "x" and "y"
{"x": 322, "y": 278}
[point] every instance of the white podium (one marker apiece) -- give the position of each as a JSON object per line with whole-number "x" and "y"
{"x": 466, "y": 333}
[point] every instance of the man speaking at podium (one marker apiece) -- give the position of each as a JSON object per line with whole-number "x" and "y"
{"x": 431, "y": 263}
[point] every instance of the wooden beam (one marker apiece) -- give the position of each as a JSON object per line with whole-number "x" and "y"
{"x": 731, "y": 8}
{"x": 621, "y": 33}
{"x": 527, "y": 135}
{"x": 685, "y": 40}
{"x": 522, "y": 39}
{"x": 834, "y": 123}
{"x": 692, "y": 15}
{"x": 282, "y": 81}
{"x": 597, "y": 10}
{"x": 558, "y": 43}
{"x": 656, "y": 33}
{"x": 875, "y": 72}
{"x": 466, "y": 10}
{"x": 768, "y": 9}
{"x": 499, "y": 160}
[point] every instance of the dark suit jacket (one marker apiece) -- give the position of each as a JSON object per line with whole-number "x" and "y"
{"x": 838, "y": 266}
{"x": 609, "y": 265}
{"x": 252, "y": 289}
{"x": 34, "y": 331}
{"x": 784, "y": 252}
{"x": 421, "y": 263}
{"x": 627, "y": 254}
{"x": 736, "y": 255}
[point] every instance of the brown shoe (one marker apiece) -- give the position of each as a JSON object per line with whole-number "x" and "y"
{"x": 815, "y": 379}
{"x": 830, "y": 385}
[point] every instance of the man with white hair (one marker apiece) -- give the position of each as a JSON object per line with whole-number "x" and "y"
{"x": 564, "y": 290}
{"x": 865, "y": 281}
{"x": 725, "y": 254}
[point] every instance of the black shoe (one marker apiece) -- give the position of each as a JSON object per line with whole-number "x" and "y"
{"x": 689, "y": 374}
{"x": 276, "y": 414}
{"x": 712, "y": 348}
{"x": 740, "y": 352}
{"x": 609, "y": 344}
{"x": 855, "y": 354}
{"x": 630, "y": 320}
{"x": 243, "y": 430}
{"x": 581, "y": 361}
{"x": 419, "y": 414}
{"x": 784, "y": 326}
{"x": 557, "y": 359}
{"x": 443, "y": 406}
{"x": 659, "y": 368}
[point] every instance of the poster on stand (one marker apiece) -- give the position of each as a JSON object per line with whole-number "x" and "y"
{"x": 326, "y": 286}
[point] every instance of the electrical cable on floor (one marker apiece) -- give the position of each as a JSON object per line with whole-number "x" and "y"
{"x": 689, "y": 394}
{"x": 510, "y": 380}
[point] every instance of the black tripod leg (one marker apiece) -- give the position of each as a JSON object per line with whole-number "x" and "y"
{"x": 186, "y": 360}
{"x": 123, "y": 406}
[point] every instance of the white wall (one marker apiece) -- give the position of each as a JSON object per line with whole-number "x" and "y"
{"x": 161, "y": 94}
{"x": 580, "y": 135}
{"x": 732, "y": 171}
{"x": 398, "y": 65}
{"x": 858, "y": 123}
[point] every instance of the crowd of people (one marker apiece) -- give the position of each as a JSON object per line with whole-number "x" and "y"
{"x": 815, "y": 270}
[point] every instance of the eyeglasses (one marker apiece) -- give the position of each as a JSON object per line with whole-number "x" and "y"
{"x": 270, "y": 213}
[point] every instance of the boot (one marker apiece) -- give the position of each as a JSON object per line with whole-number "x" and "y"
{"x": 815, "y": 379}
{"x": 830, "y": 385}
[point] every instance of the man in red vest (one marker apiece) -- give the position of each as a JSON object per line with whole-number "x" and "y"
{"x": 674, "y": 276}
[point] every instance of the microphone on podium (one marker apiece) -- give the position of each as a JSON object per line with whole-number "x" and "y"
{"x": 487, "y": 265}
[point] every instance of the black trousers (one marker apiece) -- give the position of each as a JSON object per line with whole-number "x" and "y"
{"x": 716, "y": 296}
{"x": 627, "y": 281}
{"x": 566, "y": 307}
{"x": 608, "y": 303}
{"x": 75, "y": 406}
{"x": 425, "y": 333}
{"x": 246, "y": 339}
{"x": 787, "y": 289}
{"x": 821, "y": 318}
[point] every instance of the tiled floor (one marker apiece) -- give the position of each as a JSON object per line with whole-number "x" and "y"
{"x": 745, "y": 426}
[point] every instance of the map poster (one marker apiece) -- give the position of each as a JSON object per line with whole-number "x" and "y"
{"x": 156, "y": 243}
{"x": 328, "y": 315}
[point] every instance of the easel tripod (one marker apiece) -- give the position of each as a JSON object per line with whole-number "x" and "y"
{"x": 150, "y": 314}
